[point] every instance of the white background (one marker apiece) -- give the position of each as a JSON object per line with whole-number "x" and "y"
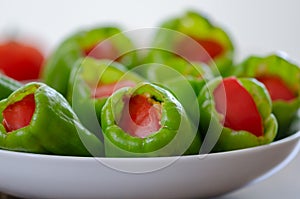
{"x": 255, "y": 25}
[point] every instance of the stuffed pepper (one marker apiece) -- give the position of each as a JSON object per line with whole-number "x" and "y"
{"x": 100, "y": 43}
{"x": 37, "y": 119}
{"x": 282, "y": 79}
{"x": 146, "y": 121}
{"x": 7, "y": 86}
{"x": 184, "y": 80}
{"x": 236, "y": 113}
{"x": 194, "y": 38}
{"x": 91, "y": 82}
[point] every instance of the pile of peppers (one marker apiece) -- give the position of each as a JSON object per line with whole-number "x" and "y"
{"x": 184, "y": 95}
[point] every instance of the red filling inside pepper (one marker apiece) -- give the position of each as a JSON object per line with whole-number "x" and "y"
{"x": 19, "y": 114}
{"x": 20, "y": 61}
{"x": 277, "y": 88}
{"x": 141, "y": 116}
{"x": 106, "y": 90}
{"x": 238, "y": 107}
{"x": 102, "y": 50}
{"x": 210, "y": 49}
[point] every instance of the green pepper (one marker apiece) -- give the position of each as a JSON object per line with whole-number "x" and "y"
{"x": 7, "y": 86}
{"x": 236, "y": 114}
{"x": 282, "y": 79}
{"x": 91, "y": 82}
{"x": 196, "y": 39}
{"x": 100, "y": 43}
{"x": 37, "y": 119}
{"x": 147, "y": 120}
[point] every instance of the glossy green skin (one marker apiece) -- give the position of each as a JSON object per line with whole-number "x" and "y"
{"x": 284, "y": 111}
{"x": 58, "y": 67}
{"x": 176, "y": 136}
{"x": 7, "y": 86}
{"x": 54, "y": 128}
{"x": 225, "y": 138}
{"x": 199, "y": 27}
{"x": 89, "y": 72}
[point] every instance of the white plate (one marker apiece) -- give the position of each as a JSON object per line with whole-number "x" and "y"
{"x": 45, "y": 176}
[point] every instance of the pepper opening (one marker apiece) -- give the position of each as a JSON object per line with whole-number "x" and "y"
{"x": 211, "y": 49}
{"x": 19, "y": 114}
{"x": 277, "y": 88}
{"x": 140, "y": 116}
{"x": 237, "y": 106}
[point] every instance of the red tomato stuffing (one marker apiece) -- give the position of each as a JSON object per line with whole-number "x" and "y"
{"x": 106, "y": 90}
{"x": 20, "y": 61}
{"x": 141, "y": 116}
{"x": 238, "y": 107}
{"x": 277, "y": 88}
{"x": 19, "y": 114}
{"x": 103, "y": 50}
{"x": 188, "y": 49}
